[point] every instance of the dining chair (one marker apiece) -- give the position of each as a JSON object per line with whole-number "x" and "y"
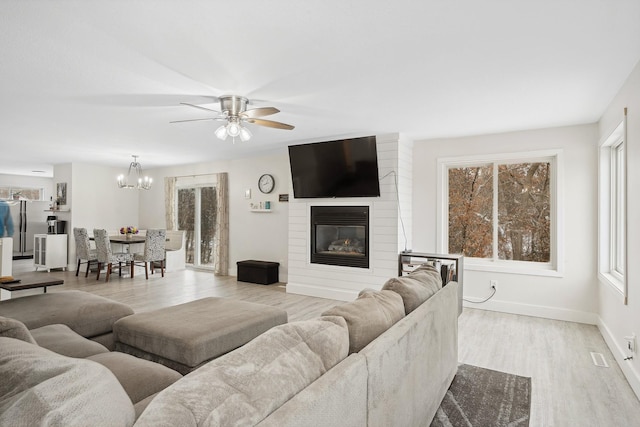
{"x": 154, "y": 245}
{"x": 83, "y": 249}
{"x": 106, "y": 256}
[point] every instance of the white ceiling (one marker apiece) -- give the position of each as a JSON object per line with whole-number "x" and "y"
{"x": 97, "y": 81}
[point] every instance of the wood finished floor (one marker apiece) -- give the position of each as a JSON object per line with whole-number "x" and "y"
{"x": 175, "y": 288}
{"x": 567, "y": 389}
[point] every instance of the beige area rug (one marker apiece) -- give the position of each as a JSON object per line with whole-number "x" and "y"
{"x": 480, "y": 397}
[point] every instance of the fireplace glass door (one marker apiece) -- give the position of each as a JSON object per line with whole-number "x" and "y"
{"x": 339, "y": 235}
{"x": 348, "y": 240}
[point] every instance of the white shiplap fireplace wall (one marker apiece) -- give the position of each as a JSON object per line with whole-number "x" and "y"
{"x": 386, "y": 234}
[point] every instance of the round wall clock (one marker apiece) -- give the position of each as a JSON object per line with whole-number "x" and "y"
{"x": 266, "y": 183}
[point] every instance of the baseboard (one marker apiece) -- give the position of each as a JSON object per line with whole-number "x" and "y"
{"x": 632, "y": 376}
{"x": 322, "y": 292}
{"x": 555, "y": 313}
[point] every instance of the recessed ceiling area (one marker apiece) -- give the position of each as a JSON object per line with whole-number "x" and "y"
{"x": 95, "y": 81}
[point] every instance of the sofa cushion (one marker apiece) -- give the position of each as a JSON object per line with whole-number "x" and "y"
{"x": 62, "y": 340}
{"x": 245, "y": 386}
{"x": 139, "y": 378}
{"x": 85, "y": 313}
{"x": 12, "y": 328}
{"x": 415, "y": 288}
{"x": 368, "y": 316}
{"x": 40, "y": 387}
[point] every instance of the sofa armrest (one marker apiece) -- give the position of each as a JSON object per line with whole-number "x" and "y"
{"x": 412, "y": 364}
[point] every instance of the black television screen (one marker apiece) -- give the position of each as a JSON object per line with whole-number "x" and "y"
{"x": 342, "y": 168}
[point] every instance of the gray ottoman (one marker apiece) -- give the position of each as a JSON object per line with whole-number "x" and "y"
{"x": 185, "y": 336}
{"x": 90, "y": 316}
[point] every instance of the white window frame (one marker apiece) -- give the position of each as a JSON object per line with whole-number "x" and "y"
{"x": 612, "y": 211}
{"x": 555, "y": 267}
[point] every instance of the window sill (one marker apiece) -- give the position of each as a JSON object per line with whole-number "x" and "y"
{"x": 535, "y": 270}
{"x": 615, "y": 284}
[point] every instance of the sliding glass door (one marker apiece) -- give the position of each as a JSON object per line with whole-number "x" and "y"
{"x": 197, "y": 217}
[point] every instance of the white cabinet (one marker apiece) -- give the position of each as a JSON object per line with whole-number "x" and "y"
{"x": 6, "y": 254}
{"x": 50, "y": 251}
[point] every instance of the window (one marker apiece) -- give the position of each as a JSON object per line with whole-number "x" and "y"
{"x": 21, "y": 193}
{"x": 197, "y": 216}
{"x": 618, "y": 209}
{"x": 612, "y": 216}
{"x": 501, "y": 212}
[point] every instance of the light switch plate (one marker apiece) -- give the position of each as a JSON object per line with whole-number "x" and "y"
{"x": 247, "y": 193}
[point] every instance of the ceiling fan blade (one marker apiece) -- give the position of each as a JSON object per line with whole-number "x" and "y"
{"x": 193, "y": 120}
{"x": 270, "y": 123}
{"x": 260, "y": 112}
{"x": 199, "y": 107}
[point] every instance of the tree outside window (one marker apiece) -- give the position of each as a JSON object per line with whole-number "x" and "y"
{"x": 512, "y": 223}
{"x": 197, "y": 216}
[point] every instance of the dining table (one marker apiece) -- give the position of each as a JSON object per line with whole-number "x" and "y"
{"x": 127, "y": 240}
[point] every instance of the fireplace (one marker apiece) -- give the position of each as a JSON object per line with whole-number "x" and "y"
{"x": 340, "y": 235}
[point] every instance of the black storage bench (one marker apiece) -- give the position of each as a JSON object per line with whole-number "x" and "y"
{"x": 261, "y": 272}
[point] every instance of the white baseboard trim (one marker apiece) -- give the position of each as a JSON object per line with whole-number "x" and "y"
{"x": 632, "y": 376}
{"x": 321, "y": 292}
{"x": 546, "y": 312}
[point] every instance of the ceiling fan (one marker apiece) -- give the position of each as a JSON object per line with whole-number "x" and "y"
{"x": 234, "y": 112}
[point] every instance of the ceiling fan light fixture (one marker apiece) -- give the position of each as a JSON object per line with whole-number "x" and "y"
{"x": 233, "y": 129}
{"x": 221, "y": 132}
{"x": 245, "y": 134}
{"x": 235, "y": 115}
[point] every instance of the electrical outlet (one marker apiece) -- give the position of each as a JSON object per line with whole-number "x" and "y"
{"x": 631, "y": 343}
{"x": 493, "y": 284}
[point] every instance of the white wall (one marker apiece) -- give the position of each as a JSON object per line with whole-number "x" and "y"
{"x": 94, "y": 200}
{"x": 261, "y": 236}
{"x": 616, "y": 319}
{"x": 572, "y": 297}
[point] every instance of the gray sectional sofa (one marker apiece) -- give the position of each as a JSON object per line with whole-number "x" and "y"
{"x": 385, "y": 359}
{"x": 90, "y": 316}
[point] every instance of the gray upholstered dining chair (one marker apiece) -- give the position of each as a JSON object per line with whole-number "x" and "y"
{"x": 106, "y": 256}
{"x": 154, "y": 245}
{"x": 83, "y": 249}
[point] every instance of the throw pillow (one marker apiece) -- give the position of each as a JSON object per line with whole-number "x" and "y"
{"x": 12, "y": 328}
{"x": 368, "y": 316}
{"x": 431, "y": 271}
{"x": 415, "y": 288}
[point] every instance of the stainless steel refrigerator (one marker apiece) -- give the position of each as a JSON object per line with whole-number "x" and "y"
{"x": 29, "y": 218}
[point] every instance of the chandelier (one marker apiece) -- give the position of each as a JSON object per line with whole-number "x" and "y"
{"x": 137, "y": 181}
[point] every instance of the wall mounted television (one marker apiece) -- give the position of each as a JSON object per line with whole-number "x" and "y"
{"x": 341, "y": 168}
